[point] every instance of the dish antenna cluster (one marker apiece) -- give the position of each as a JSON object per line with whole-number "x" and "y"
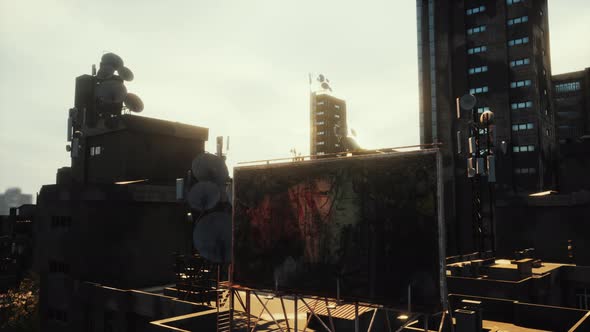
{"x": 206, "y": 194}
{"x": 324, "y": 82}
{"x": 110, "y": 92}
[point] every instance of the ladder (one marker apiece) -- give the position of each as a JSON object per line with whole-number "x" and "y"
{"x": 224, "y": 312}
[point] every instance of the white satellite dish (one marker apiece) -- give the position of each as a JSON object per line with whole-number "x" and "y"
{"x": 212, "y": 236}
{"x": 467, "y": 102}
{"x": 125, "y": 73}
{"x": 111, "y": 91}
{"x": 209, "y": 167}
{"x": 133, "y": 103}
{"x": 204, "y": 195}
{"x": 111, "y": 59}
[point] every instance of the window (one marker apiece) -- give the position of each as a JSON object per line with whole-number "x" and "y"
{"x": 320, "y": 102}
{"x": 521, "y": 105}
{"x": 583, "y": 298}
{"x": 482, "y": 109}
{"x": 523, "y": 148}
{"x": 479, "y": 49}
{"x": 337, "y": 116}
{"x": 520, "y": 84}
{"x": 567, "y": 87}
{"x": 477, "y": 70}
{"x": 320, "y": 153}
{"x": 57, "y": 315}
{"x": 61, "y": 222}
{"x": 336, "y": 145}
{"x": 58, "y": 267}
{"x": 517, "y": 20}
{"x": 319, "y": 123}
{"x": 321, "y": 133}
{"x": 95, "y": 150}
{"x": 483, "y": 131}
{"x": 520, "y": 62}
{"x": 528, "y": 170}
{"x": 320, "y": 113}
{"x": 475, "y": 10}
{"x": 511, "y": 2}
{"x": 518, "y": 41}
{"x": 522, "y": 126}
{"x": 477, "y": 90}
{"x": 320, "y": 143}
{"x": 477, "y": 29}
{"x": 337, "y": 106}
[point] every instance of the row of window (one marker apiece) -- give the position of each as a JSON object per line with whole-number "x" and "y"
{"x": 477, "y": 29}
{"x": 523, "y": 148}
{"x": 520, "y": 62}
{"x": 475, "y": 10}
{"x": 511, "y": 2}
{"x": 567, "y": 87}
{"x": 57, "y": 315}
{"x": 321, "y": 133}
{"x": 477, "y": 90}
{"x": 482, "y": 109}
{"x": 518, "y": 20}
{"x": 478, "y": 49}
{"x": 61, "y": 221}
{"x": 95, "y": 150}
{"x": 58, "y": 267}
{"x": 527, "y": 170}
{"x": 518, "y": 41}
{"x": 522, "y": 126}
{"x": 319, "y": 103}
{"x": 520, "y": 105}
{"x": 477, "y": 70}
{"x": 519, "y": 84}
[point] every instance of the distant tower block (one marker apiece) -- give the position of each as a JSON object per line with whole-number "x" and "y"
{"x": 327, "y": 121}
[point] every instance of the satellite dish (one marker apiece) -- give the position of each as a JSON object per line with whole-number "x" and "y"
{"x": 353, "y": 132}
{"x": 133, "y": 103}
{"x": 125, "y": 73}
{"x": 111, "y": 59}
{"x": 204, "y": 195}
{"x": 212, "y": 237}
{"x": 111, "y": 91}
{"x": 105, "y": 71}
{"x": 352, "y": 144}
{"x": 209, "y": 167}
{"x": 321, "y": 78}
{"x": 326, "y": 86}
{"x": 467, "y": 102}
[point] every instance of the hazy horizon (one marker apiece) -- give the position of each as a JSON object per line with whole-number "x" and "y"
{"x": 239, "y": 69}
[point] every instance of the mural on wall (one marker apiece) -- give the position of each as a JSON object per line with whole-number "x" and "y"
{"x": 364, "y": 228}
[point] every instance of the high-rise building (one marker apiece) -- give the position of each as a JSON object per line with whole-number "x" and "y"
{"x": 327, "y": 123}
{"x": 571, "y": 97}
{"x": 498, "y": 51}
{"x": 13, "y": 197}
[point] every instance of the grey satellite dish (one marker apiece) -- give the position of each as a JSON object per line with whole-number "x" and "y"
{"x": 352, "y": 144}
{"x": 209, "y": 167}
{"x": 467, "y": 102}
{"x": 105, "y": 71}
{"x": 125, "y": 73}
{"x": 321, "y": 78}
{"x": 133, "y": 103}
{"x": 204, "y": 195}
{"x": 326, "y": 86}
{"x": 111, "y": 59}
{"x": 212, "y": 237}
{"x": 111, "y": 91}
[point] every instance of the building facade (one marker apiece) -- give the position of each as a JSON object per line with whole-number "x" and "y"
{"x": 497, "y": 51}
{"x": 327, "y": 124}
{"x": 571, "y": 97}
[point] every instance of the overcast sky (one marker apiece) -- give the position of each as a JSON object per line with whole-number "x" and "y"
{"x": 239, "y": 68}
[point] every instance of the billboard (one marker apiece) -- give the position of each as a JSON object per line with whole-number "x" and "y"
{"x": 362, "y": 228}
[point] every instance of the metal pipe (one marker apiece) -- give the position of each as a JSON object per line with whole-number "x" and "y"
{"x": 372, "y": 320}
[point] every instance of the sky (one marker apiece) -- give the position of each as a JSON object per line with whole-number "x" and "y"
{"x": 239, "y": 68}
